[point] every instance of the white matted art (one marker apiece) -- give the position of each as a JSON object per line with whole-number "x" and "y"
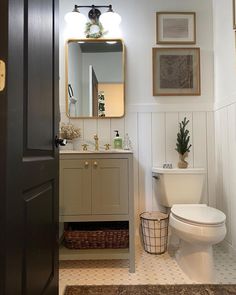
{"x": 175, "y": 27}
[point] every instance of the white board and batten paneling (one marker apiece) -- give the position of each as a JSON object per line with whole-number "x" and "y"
{"x": 164, "y": 128}
{"x": 225, "y": 128}
{"x": 153, "y": 137}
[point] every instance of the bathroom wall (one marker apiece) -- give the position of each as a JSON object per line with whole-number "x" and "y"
{"x": 152, "y": 122}
{"x": 225, "y": 114}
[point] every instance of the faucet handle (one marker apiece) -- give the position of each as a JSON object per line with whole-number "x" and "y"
{"x": 85, "y": 147}
{"x": 107, "y": 146}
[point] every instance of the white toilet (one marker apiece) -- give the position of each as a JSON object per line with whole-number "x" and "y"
{"x": 196, "y": 225}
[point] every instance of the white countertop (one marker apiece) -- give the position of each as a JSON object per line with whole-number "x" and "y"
{"x": 111, "y": 151}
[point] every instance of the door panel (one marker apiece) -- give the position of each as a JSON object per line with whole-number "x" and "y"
{"x": 110, "y": 186}
{"x": 39, "y": 250}
{"x": 75, "y": 187}
{"x": 39, "y": 69}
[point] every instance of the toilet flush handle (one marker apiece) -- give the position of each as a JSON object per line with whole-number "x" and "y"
{"x": 156, "y": 176}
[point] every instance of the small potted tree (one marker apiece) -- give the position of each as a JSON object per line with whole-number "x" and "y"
{"x": 182, "y": 145}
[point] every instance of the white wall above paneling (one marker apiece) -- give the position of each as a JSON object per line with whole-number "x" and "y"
{"x": 224, "y": 53}
{"x": 138, "y": 31}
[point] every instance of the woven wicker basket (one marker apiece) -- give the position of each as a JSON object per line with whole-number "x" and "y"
{"x": 96, "y": 239}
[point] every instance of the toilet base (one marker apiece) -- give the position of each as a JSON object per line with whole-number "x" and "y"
{"x": 196, "y": 261}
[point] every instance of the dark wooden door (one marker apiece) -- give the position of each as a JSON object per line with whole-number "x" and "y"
{"x": 28, "y": 157}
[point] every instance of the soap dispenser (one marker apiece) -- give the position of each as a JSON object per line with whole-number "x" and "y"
{"x": 117, "y": 140}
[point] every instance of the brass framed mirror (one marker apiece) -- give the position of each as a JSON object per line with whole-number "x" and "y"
{"x": 95, "y": 78}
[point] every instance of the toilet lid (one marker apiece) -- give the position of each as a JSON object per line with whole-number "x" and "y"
{"x": 199, "y": 214}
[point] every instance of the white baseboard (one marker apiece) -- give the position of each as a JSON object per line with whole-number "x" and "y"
{"x": 228, "y": 247}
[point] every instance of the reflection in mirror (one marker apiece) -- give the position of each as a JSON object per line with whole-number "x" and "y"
{"x": 95, "y": 78}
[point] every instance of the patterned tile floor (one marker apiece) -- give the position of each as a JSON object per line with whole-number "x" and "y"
{"x": 150, "y": 269}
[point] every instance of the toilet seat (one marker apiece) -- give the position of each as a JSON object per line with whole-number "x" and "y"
{"x": 198, "y": 214}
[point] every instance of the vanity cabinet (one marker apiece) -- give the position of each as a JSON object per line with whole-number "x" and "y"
{"x": 94, "y": 186}
{"x": 97, "y": 187}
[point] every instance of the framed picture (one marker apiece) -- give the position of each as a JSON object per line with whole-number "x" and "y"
{"x": 176, "y": 71}
{"x": 175, "y": 28}
{"x": 234, "y": 14}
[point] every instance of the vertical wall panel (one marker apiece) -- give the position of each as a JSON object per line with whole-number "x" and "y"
{"x": 158, "y": 139}
{"x": 219, "y": 168}
{"x": 224, "y": 141}
{"x": 211, "y": 159}
{"x": 171, "y": 123}
{"x": 145, "y": 161}
{"x": 232, "y": 169}
{"x": 104, "y": 131}
{"x": 158, "y": 152}
{"x": 189, "y": 117}
{"x": 199, "y": 143}
{"x": 199, "y": 139}
{"x": 78, "y": 124}
{"x": 131, "y": 127}
{"x": 224, "y": 137}
{"x": 90, "y": 128}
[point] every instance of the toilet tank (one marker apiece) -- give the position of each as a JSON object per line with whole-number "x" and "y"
{"x": 179, "y": 186}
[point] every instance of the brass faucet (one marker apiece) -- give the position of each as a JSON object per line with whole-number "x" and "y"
{"x": 107, "y": 146}
{"x": 96, "y": 142}
{"x": 85, "y": 147}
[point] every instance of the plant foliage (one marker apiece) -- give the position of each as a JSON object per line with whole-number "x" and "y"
{"x": 182, "y": 145}
{"x": 98, "y": 33}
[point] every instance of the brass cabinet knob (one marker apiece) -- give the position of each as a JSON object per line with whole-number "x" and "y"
{"x": 95, "y": 164}
{"x": 86, "y": 163}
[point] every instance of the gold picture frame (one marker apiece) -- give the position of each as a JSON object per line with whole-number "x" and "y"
{"x": 234, "y": 14}
{"x": 176, "y": 71}
{"x": 176, "y": 28}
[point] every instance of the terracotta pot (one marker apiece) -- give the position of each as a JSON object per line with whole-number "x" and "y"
{"x": 182, "y": 163}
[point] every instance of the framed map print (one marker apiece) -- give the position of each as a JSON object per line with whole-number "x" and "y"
{"x": 176, "y": 71}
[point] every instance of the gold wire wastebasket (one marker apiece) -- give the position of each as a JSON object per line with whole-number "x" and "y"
{"x": 154, "y": 231}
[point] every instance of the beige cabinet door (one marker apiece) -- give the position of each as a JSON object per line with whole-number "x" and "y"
{"x": 75, "y": 187}
{"x": 110, "y": 186}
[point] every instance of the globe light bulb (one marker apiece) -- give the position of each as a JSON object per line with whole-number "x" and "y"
{"x": 109, "y": 19}
{"x": 75, "y": 18}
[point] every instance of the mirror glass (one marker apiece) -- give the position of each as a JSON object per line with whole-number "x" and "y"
{"x": 95, "y": 78}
